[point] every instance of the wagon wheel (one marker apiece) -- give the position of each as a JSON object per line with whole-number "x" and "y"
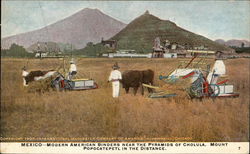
{"x": 195, "y": 92}
{"x": 216, "y": 90}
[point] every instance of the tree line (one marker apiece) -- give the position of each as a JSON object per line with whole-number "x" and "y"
{"x": 16, "y": 51}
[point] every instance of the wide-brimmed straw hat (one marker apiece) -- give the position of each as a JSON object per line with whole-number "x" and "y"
{"x": 24, "y": 68}
{"x": 115, "y": 66}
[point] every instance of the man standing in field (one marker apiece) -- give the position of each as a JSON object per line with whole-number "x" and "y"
{"x": 115, "y": 77}
{"x": 24, "y": 74}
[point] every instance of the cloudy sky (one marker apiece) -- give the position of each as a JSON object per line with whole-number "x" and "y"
{"x": 213, "y": 19}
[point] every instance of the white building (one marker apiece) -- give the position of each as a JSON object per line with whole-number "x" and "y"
{"x": 170, "y": 55}
{"x": 127, "y": 55}
{"x": 41, "y": 54}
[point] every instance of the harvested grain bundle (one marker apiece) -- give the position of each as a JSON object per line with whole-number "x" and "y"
{"x": 179, "y": 87}
{"x": 41, "y": 86}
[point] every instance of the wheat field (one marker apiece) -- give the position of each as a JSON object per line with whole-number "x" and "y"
{"x": 95, "y": 114}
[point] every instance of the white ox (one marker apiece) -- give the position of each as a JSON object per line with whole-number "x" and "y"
{"x": 36, "y": 75}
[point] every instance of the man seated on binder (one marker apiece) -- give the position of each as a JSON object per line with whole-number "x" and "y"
{"x": 72, "y": 70}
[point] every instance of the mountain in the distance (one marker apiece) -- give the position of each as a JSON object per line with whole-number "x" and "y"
{"x": 233, "y": 42}
{"x": 87, "y": 25}
{"x": 139, "y": 35}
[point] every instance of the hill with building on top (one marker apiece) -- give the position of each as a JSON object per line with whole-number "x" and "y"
{"x": 141, "y": 32}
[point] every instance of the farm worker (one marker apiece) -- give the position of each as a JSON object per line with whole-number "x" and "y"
{"x": 115, "y": 77}
{"x": 24, "y": 74}
{"x": 218, "y": 70}
{"x": 72, "y": 70}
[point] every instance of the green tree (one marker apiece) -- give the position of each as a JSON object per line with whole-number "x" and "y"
{"x": 89, "y": 44}
{"x": 16, "y": 51}
{"x": 242, "y": 45}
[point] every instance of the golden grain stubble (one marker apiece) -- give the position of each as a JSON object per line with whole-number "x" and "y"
{"x": 94, "y": 113}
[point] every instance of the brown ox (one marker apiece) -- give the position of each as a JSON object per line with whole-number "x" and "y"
{"x": 135, "y": 78}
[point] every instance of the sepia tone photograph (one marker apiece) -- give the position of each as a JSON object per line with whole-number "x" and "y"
{"x": 125, "y": 71}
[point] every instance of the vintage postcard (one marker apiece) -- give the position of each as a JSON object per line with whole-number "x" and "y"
{"x": 125, "y": 76}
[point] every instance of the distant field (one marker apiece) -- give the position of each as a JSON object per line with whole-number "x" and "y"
{"x": 94, "y": 113}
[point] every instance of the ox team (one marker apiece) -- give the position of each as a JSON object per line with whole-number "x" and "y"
{"x": 132, "y": 78}
{"x": 115, "y": 76}
{"x": 40, "y": 75}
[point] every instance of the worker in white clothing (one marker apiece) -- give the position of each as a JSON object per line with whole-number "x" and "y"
{"x": 218, "y": 70}
{"x": 24, "y": 74}
{"x": 72, "y": 70}
{"x": 115, "y": 77}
